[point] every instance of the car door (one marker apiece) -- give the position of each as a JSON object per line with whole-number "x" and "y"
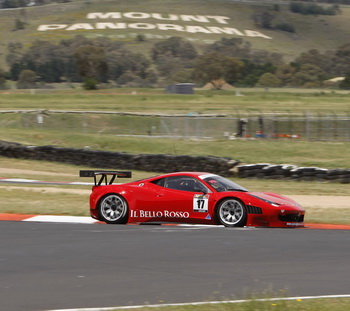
{"x": 182, "y": 197}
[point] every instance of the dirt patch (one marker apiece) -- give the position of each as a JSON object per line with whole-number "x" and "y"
{"x": 322, "y": 201}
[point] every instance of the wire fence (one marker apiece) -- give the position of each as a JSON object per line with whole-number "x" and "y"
{"x": 309, "y": 126}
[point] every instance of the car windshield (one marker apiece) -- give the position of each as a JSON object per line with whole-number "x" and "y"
{"x": 221, "y": 184}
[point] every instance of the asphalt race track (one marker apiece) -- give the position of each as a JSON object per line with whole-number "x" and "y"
{"x": 45, "y": 266}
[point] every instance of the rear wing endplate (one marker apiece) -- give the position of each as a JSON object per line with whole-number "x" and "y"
{"x": 103, "y": 176}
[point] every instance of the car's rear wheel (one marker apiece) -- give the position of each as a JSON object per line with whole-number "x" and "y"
{"x": 231, "y": 212}
{"x": 113, "y": 209}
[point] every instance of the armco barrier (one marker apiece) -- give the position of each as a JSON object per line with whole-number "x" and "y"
{"x": 104, "y": 159}
{"x": 286, "y": 171}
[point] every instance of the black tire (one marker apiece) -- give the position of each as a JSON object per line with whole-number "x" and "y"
{"x": 231, "y": 212}
{"x": 113, "y": 209}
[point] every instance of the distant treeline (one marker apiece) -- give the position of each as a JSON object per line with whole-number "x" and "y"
{"x": 95, "y": 62}
{"x": 324, "y": 1}
{"x": 313, "y": 9}
{"x": 102, "y": 61}
{"x": 10, "y": 4}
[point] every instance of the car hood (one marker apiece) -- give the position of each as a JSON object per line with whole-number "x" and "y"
{"x": 273, "y": 197}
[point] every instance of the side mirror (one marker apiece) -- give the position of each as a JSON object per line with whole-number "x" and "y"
{"x": 203, "y": 190}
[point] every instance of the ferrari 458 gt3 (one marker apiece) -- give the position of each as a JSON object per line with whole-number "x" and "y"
{"x": 188, "y": 197}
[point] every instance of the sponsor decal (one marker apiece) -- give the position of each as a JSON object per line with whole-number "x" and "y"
{"x": 158, "y": 214}
{"x": 206, "y": 176}
{"x": 200, "y": 203}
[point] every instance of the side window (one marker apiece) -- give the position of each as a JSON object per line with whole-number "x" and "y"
{"x": 159, "y": 182}
{"x": 184, "y": 183}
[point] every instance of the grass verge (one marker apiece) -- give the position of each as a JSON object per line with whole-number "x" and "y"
{"x": 256, "y": 305}
{"x": 256, "y": 100}
{"x": 300, "y": 153}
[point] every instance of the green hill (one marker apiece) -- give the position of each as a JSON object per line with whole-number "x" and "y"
{"x": 140, "y": 23}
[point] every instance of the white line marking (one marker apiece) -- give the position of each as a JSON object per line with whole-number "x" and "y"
{"x": 200, "y": 226}
{"x": 205, "y": 303}
{"x": 60, "y": 219}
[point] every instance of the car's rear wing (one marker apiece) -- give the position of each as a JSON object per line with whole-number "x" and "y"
{"x": 103, "y": 176}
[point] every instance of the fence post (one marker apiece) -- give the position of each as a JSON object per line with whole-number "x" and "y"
{"x": 307, "y": 125}
{"x": 349, "y": 126}
{"x": 334, "y": 125}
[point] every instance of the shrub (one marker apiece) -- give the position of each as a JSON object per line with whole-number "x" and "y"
{"x": 90, "y": 84}
{"x": 285, "y": 27}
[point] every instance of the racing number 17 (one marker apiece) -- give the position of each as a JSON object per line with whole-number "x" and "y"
{"x": 200, "y": 204}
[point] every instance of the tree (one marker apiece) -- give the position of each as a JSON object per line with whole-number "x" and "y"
{"x": 216, "y": 69}
{"x": 313, "y": 9}
{"x": 263, "y": 19}
{"x": 181, "y": 76}
{"x": 314, "y": 57}
{"x": 14, "y": 3}
{"x": 252, "y": 72}
{"x": 173, "y": 55}
{"x": 168, "y": 66}
{"x": 308, "y": 75}
{"x": 269, "y": 80}
{"x": 19, "y": 25}
{"x": 121, "y": 61}
{"x": 91, "y": 62}
{"x": 235, "y": 47}
{"x": 2, "y": 80}
{"x": 27, "y": 80}
{"x": 285, "y": 74}
{"x": 285, "y": 27}
{"x": 15, "y": 71}
{"x": 238, "y": 48}
{"x": 77, "y": 59}
{"x": 90, "y": 84}
{"x": 341, "y": 60}
{"x": 261, "y": 57}
{"x": 51, "y": 71}
{"x": 345, "y": 84}
{"x": 174, "y": 47}
{"x": 127, "y": 78}
{"x": 70, "y": 71}
{"x": 15, "y": 50}
{"x": 140, "y": 38}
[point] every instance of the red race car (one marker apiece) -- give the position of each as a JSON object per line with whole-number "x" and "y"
{"x": 188, "y": 197}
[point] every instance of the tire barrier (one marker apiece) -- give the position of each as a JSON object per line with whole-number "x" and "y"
{"x": 161, "y": 163}
{"x": 164, "y": 163}
{"x": 292, "y": 172}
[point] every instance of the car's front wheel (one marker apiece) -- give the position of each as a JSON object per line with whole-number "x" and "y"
{"x": 231, "y": 212}
{"x": 113, "y": 209}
